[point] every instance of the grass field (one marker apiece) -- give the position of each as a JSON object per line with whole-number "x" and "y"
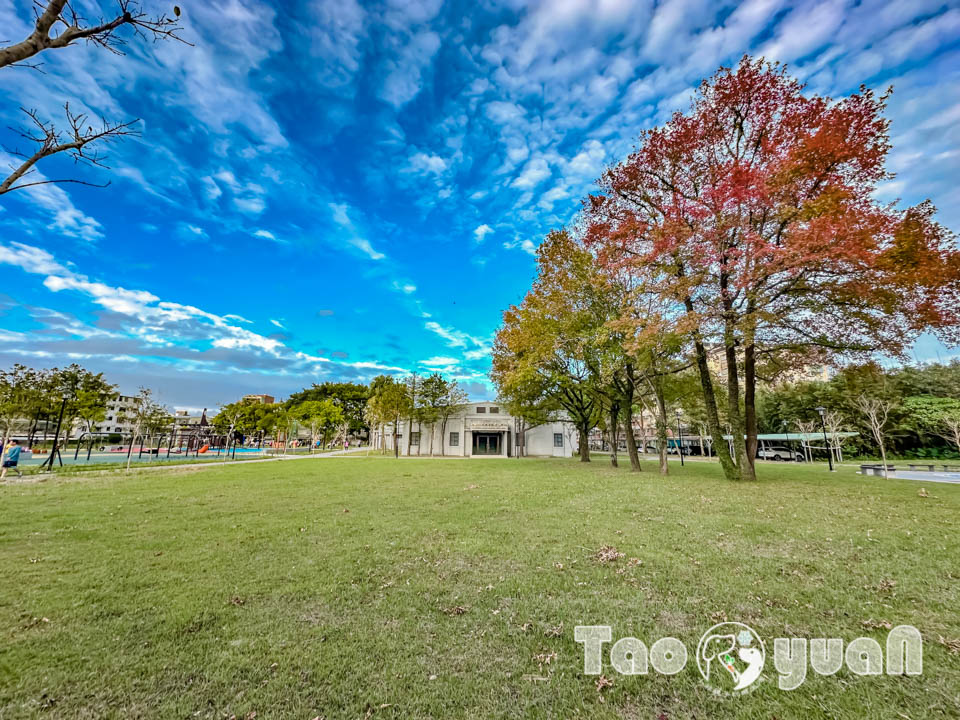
{"x": 369, "y": 587}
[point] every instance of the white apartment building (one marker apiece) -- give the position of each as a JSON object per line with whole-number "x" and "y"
{"x": 120, "y": 412}
{"x": 481, "y": 429}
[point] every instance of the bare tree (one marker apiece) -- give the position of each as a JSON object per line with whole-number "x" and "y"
{"x": 877, "y": 412}
{"x": 950, "y": 431}
{"x": 52, "y": 141}
{"x": 58, "y": 25}
{"x": 60, "y": 15}
{"x": 806, "y": 428}
{"x": 833, "y": 421}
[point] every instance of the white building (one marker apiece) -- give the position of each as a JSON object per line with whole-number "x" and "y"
{"x": 120, "y": 413}
{"x": 481, "y": 428}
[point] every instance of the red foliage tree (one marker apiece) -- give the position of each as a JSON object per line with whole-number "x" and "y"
{"x": 754, "y": 217}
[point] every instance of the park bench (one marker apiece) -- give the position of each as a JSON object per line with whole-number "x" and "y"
{"x": 876, "y": 469}
{"x": 922, "y": 467}
{"x": 951, "y": 468}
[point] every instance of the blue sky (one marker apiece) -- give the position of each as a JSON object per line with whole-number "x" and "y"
{"x": 330, "y": 189}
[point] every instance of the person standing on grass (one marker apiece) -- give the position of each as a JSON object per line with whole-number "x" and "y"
{"x": 12, "y": 458}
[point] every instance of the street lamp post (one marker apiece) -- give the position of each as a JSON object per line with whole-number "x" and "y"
{"x": 680, "y": 434}
{"x": 53, "y": 450}
{"x": 823, "y": 426}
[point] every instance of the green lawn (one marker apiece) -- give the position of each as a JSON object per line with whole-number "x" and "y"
{"x": 368, "y": 587}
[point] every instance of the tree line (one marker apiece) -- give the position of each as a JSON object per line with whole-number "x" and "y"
{"x": 739, "y": 242}
{"x": 427, "y": 401}
{"x": 919, "y": 406}
{"x": 330, "y": 412}
{"x": 73, "y": 396}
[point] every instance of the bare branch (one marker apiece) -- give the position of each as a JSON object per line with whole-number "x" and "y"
{"x": 73, "y": 142}
{"x": 56, "y": 13}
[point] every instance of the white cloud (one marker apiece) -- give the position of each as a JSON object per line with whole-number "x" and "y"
{"x": 526, "y": 245}
{"x": 335, "y": 32}
{"x": 65, "y": 218}
{"x": 266, "y": 235}
{"x": 535, "y": 172}
{"x": 341, "y": 217}
{"x": 185, "y": 329}
{"x": 425, "y": 163}
{"x": 404, "y": 287}
{"x": 277, "y": 323}
{"x": 439, "y": 362}
{"x": 404, "y": 70}
{"x": 480, "y": 232}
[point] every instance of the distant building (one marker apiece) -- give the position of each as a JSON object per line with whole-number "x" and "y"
{"x": 481, "y": 428}
{"x": 183, "y": 419}
{"x": 120, "y": 415}
{"x": 259, "y": 399}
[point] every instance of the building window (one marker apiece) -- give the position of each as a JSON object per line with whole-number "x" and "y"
{"x": 414, "y": 438}
{"x": 454, "y": 439}
{"x": 494, "y": 410}
{"x": 558, "y": 440}
{"x": 481, "y": 409}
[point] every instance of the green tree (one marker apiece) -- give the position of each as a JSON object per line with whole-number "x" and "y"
{"x": 322, "y": 417}
{"x": 388, "y": 404}
{"x": 87, "y": 395}
{"x": 547, "y": 348}
{"x": 453, "y": 401}
{"x": 23, "y": 391}
{"x": 350, "y": 397}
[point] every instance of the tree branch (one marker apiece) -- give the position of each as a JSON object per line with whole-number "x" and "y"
{"x": 102, "y": 34}
{"x": 52, "y": 141}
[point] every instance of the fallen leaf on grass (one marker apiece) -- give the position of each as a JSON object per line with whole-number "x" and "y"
{"x": 238, "y": 601}
{"x": 877, "y": 624}
{"x": 555, "y": 631}
{"x": 923, "y": 492}
{"x": 471, "y": 487}
{"x": 603, "y": 682}
{"x": 886, "y": 585}
{"x": 371, "y": 710}
{"x": 952, "y": 645}
{"x": 608, "y": 553}
{"x": 544, "y": 659}
{"x": 456, "y": 610}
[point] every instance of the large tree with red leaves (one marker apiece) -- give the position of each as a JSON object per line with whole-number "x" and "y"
{"x": 754, "y": 218}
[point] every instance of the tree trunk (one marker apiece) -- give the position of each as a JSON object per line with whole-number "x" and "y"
{"x": 631, "y": 441}
{"x": 750, "y": 401}
{"x": 737, "y": 430}
{"x": 612, "y": 432}
{"x": 584, "y": 444}
{"x": 433, "y": 427}
{"x": 628, "y": 419}
{"x": 396, "y": 446}
{"x": 710, "y": 404}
